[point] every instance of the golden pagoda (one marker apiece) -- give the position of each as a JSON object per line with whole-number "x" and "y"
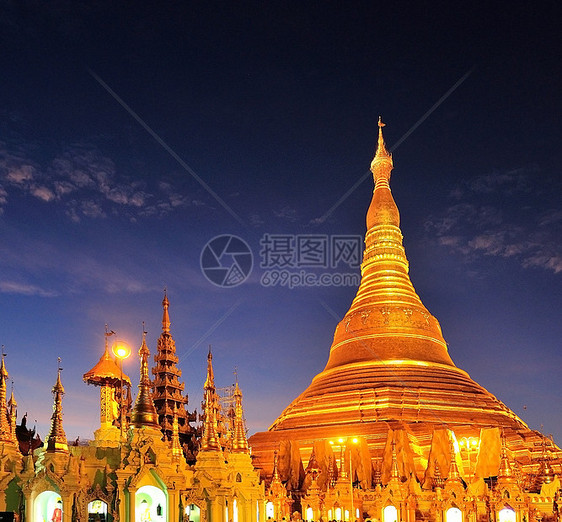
{"x": 391, "y": 384}
{"x": 168, "y": 395}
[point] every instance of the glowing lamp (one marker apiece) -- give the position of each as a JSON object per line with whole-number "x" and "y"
{"x": 121, "y": 350}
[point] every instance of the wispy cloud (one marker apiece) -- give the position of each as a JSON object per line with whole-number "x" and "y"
{"x": 86, "y": 182}
{"x": 13, "y": 287}
{"x": 503, "y": 214}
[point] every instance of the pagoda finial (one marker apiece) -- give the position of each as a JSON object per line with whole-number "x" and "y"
{"x": 56, "y": 440}
{"x": 210, "y": 381}
{"x": 240, "y": 442}
{"x": 210, "y": 439}
{"x": 505, "y": 472}
{"x": 144, "y": 413}
{"x": 381, "y": 153}
{"x": 108, "y": 333}
{"x": 166, "y": 316}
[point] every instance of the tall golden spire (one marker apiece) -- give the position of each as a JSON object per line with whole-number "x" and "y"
{"x": 5, "y": 428}
{"x": 13, "y": 415}
{"x": 167, "y": 389}
{"x": 166, "y": 316}
{"x": 387, "y": 320}
{"x": 210, "y": 438}
{"x": 56, "y": 440}
{"x": 240, "y": 443}
{"x": 144, "y": 413}
{"x": 381, "y": 154}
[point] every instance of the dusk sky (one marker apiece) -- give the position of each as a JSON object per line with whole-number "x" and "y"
{"x": 131, "y": 136}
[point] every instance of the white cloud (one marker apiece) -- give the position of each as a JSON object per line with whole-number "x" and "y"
{"x": 12, "y": 287}
{"x": 83, "y": 172}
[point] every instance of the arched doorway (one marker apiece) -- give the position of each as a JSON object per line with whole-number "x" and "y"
{"x": 507, "y": 514}
{"x": 269, "y": 510}
{"x": 48, "y": 507}
{"x": 150, "y": 504}
{"x": 193, "y": 513}
{"x": 390, "y": 514}
{"x": 453, "y": 514}
{"x": 97, "y": 511}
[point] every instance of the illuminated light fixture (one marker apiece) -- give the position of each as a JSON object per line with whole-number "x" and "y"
{"x": 121, "y": 350}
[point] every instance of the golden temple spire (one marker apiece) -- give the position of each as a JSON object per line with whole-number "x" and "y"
{"x": 505, "y": 473}
{"x": 546, "y": 473}
{"x": 210, "y": 438}
{"x": 176, "y": 446}
{"x": 5, "y": 428}
{"x": 454, "y": 474}
{"x": 13, "y": 415}
{"x": 166, "y": 316}
{"x": 240, "y": 442}
{"x": 394, "y": 471}
{"x": 381, "y": 152}
{"x": 276, "y": 466}
{"x": 56, "y": 440}
{"x": 387, "y": 320}
{"x": 144, "y": 413}
{"x": 168, "y": 390}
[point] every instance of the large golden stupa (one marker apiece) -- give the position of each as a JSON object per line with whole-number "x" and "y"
{"x": 391, "y": 383}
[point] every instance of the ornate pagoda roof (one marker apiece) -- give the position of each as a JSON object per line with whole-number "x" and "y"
{"x": 106, "y": 371}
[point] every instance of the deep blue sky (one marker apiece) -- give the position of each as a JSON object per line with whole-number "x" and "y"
{"x": 274, "y": 106}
